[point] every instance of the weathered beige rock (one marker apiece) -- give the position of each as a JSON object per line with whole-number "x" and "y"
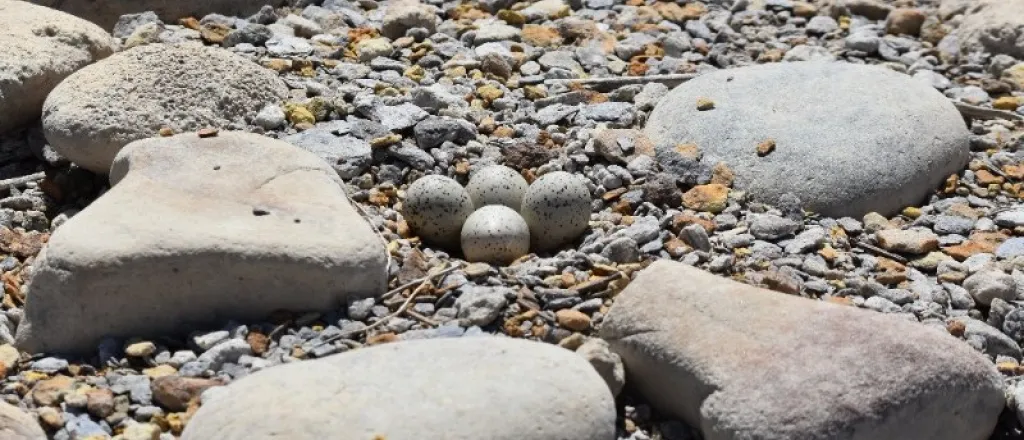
{"x": 996, "y": 26}
{"x": 471, "y": 388}
{"x": 403, "y": 15}
{"x": 106, "y": 12}
{"x": 41, "y": 47}
{"x": 232, "y": 226}
{"x": 15, "y": 424}
{"x": 741, "y": 362}
{"x": 90, "y": 116}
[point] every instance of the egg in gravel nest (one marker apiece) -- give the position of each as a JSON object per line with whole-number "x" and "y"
{"x": 435, "y": 208}
{"x": 497, "y": 185}
{"x": 495, "y": 234}
{"x": 557, "y": 209}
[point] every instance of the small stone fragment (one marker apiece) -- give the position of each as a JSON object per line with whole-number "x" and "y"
{"x": 140, "y": 349}
{"x": 910, "y": 241}
{"x": 608, "y": 364}
{"x": 707, "y": 198}
{"x": 573, "y": 320}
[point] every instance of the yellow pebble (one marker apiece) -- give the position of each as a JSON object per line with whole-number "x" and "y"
{"x": 911, "y": 212}
{"x": 704, "y": 104}
{"x": 489, "y": 92}
{"x": 298, "y": 114}
{"x": 1008, "y": 103}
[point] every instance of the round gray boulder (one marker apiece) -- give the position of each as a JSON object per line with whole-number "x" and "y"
{"x": 848, "y": 139}
{"x": 468, "y": 388}
{"x": 98, "y": 110}
{"x": 41, "y": 47}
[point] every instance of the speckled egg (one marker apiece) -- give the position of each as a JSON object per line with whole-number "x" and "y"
{"x": 435, "y": 208}
{"x": 497, "y": 185}
{"x": 495, "y": 234}
{"x": 557, "y": 209}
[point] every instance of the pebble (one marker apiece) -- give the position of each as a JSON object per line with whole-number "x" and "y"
{"x": 985, "y": 286}
{"x": 573, "y": 320}
{"x": 479, "y": 305}
{"x": 772, "y": 227}
{"x": 140, "y": 349}
{"x": 909, "y": 241}
{"x": 49, "y": 365}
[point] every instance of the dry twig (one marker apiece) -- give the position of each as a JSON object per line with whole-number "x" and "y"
{"x": 879, "y": 251}
{"x": 423, "y": 282}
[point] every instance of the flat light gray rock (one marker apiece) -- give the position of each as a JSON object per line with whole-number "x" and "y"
{"x": 15, "y": 424}
{"x": 995, "y": 26}
{"x": 849, "y": 139}
{"x": 741, "y": 362}
{"x": 197, "y": 230}
{"x": 106, "y": 12}
{"x": 41, "y": 47}
{"x": 98, "y": 110}
{"x": 349, "y": 155}
{"x": 455, "y": 389}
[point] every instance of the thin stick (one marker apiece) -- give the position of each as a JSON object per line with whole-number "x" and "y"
{"x": 597, "y": 284}
{"x": 879, "y": 251}
{"x": 399, "y": 289}
{"x": 22, "y": 180}
{"x": 976, "y": 112}
{"x": 401, "y": 309}
{"x": 993, "y": 169}
{"x": 278, "y": 329}
{"x": 421, "y": 318}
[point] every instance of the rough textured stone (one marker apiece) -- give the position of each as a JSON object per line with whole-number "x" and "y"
{"x": 98, "y": 110}
{"x": 41, "y": 47}
{"x": 349, "y": 155}
{"x": 889, "y": 143}
{"x": 406, "y": 14}
{"x": 905, "y": 21}
{"x": 17, "y": 425}
{"x": 996, "y": 26}
{"x": 987, "y": 285}
{"x": 911, "y": 241}
{"x": 607, "y": 364}
{"x": 194, "y": 229}
{"x": 175, "y": 392}
{"x": 741, "y": 362}
{"x": 466, "y": 388}
{"x": 105, "y": 13}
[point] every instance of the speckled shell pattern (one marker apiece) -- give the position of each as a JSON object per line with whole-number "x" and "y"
{"x": 436, "y": 208}
{"x": 497, "y": 185}
{"x": 495, "y": 234}
{"x": 557, "y": 209}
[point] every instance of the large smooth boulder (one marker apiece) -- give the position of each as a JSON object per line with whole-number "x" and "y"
{"x": 41, "y": 47}
{"x": 197, "y": 230}
{"x": 98, "y": 110}
{"x": 848, "y": 139}
{"x": 995, "y": 26}
{"x": 15, "y": 424}
{"x": 106, "y": 12}
{"x": 469, "y": 388}
{"x": 740, "y": 362}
